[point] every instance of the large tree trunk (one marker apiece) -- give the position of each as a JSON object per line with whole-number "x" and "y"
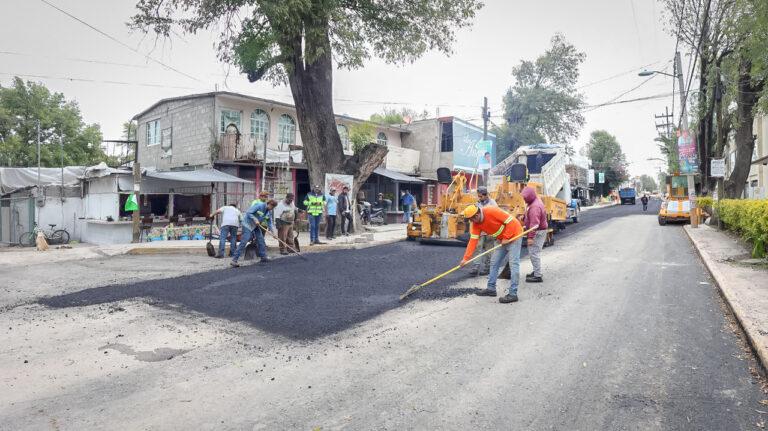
{"x": 747, "y": 97}
{"x": 312, "y": 87}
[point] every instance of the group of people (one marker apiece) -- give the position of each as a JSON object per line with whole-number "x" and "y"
{"x": 268, "y": 215}
{"x": 490, "y": 225}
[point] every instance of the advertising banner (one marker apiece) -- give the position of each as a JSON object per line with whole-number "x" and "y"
{"x": 470, "y": 151}
{"x": 337, "y": 181}
{"x": 601, "y": 177}
{"x": 686, "y": 150}
{"x": 590, "y": 176}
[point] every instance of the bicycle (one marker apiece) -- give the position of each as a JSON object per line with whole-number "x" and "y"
{"x": 58, "y": 236}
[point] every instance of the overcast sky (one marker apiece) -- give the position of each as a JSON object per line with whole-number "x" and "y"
{"x": 42, "y": 44}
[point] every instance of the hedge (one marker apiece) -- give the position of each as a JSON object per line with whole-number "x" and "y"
{"x": 704, "y": 201}
{"x": 749, "y": 218}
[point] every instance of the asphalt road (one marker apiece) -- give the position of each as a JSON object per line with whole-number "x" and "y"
{"x": 627, "y": 332}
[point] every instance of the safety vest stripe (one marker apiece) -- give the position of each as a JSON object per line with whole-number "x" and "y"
{"x": 508, "y": 220}
{"x": 474, "y": 236}
{"x": 498, "y": 232}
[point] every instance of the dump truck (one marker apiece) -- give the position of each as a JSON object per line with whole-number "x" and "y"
{"x": 627, "y": 195}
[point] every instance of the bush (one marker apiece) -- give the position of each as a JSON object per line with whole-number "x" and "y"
{"x": 749, "y": 218}
{"x": 704, "y": 202}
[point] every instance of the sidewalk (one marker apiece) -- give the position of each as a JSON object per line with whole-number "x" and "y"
{"x": 373, "y": 235}
{"x": 743, "y": 284}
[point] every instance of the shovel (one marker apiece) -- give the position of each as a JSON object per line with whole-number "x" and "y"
{"x": 416, "y": 287}
{"x": 209, "y": 247}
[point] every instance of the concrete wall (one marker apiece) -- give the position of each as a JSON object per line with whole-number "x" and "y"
{"x": 103, "y": 233}
{"x": 191, "y": 122}
{"x": 424, "y": 137}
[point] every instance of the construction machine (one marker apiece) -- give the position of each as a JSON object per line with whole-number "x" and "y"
{"x": 443, "y": 223}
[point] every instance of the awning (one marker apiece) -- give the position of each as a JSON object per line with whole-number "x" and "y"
{"x": 197, "y": 176}
{"x": 397, "y": 176}
{"x": 762, "y": 160}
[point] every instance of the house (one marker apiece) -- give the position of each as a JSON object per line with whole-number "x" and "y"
{"x": 757, "y": 182}
{"x": 254, "y": 139}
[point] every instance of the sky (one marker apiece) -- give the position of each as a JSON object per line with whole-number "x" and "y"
{"x": 114, "y": 77}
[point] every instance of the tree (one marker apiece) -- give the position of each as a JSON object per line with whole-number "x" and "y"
{"x": 361, "y": 135}
{"x": 605, "y": 153}
{"x": 648, "y": 183}
{"x": 544, "y": 104}
{"x": 22, "y": 105}
{"x": 299, "y": 42}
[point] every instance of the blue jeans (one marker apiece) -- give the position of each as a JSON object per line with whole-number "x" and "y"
{"x": 246, "y": 238}
{"x": 223, "y": 232}
{"x": 314, "y": 228}
{"x": 510, "y": 251}
{"x": 407, "y": 216}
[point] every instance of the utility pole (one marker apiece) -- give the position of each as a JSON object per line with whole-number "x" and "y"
{"x": 666, "y": 122}
{"x": 486, "y": 118}
{"x": 685, "y": 129}
{"x": 38, "y": 171}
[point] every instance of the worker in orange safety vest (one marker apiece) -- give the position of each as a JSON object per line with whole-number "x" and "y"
{"x": 501, "y": 226}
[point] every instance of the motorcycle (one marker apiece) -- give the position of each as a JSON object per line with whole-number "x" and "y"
{"x": 371, "y": 214}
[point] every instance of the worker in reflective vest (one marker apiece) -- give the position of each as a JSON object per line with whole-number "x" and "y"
{"x": 501, "y": 226}
{"x": 314, "y": 202}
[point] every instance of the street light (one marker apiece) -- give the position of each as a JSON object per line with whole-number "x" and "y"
{"x": 651, "y": 72}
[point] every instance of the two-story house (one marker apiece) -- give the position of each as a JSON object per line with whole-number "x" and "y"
{"x": 236, "y": 134}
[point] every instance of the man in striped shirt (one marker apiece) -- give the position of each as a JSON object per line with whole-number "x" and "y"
{"x": 503, "y": 227}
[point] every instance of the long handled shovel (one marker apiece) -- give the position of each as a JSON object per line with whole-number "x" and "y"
{"x": 281, "y": 242}
{"x": 416, "y": 287}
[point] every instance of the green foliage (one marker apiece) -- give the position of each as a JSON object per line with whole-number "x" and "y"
{"x": 390, "y": 116}
{"x": 648, "y": 183}
{"x": 264, "y": 37}
{"x": 361, "y": 135}
{"x": 605, "y": 153}
{"x": 22, "y": 105}
{"x": 704, "y": 201}
{"x": 668, "y": 147}
{"x": 544, "y": 104}
{"x": 749, "y": 218}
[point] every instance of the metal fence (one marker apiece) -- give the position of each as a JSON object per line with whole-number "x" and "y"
{"x": 17, "y": 215}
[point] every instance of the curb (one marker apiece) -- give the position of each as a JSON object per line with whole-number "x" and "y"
{"x": 144, "y": 251}
{"x": 720, "y": 280}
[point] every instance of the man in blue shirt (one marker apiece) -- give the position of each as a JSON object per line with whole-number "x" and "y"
{"x": 331, "y": 205}
{"x": 253, "y": 223}
{"x": 408, "y": 201}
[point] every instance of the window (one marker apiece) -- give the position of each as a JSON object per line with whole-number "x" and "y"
{"x": 259, "y": 125}
{"x": 381, "y": 138}
{"x": 229, "y": 117}
{"x": 446, "y": 138}
{"x": 153, "y": 132}
{"x": 344, "y": 136}
{"x": 286, "y": 131}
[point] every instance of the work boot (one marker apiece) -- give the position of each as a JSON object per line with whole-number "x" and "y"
{"x": 529, "y": 275}
{"x": 234, "y": 264}
{"x": 534, "y": 279}
{"x": 284, "y": 253}
{"x": 483, "y": 272}
{"x": 475, "y": 272}
{"x": 264, "y": 260}
{"x": 508, "y": 298}
{"x": 219, "y": 256}
{"x": 485, "y": 292}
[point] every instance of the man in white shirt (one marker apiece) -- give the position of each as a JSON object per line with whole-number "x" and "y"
{"x": 285, "y": 216}
{"x": 230, "y": 220}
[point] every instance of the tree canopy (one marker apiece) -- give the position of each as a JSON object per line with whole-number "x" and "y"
{"x": 606, "y": 156}
{"x": 390, "y": 116}
{"x": 648, "y": 183}
{"x": 23, "y": 104}
{"x": 544, "y": 104}
{"x": 300, "y": 41}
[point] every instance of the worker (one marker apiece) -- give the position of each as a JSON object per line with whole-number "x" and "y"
{"x": 315, "y": 203}
{"x": 535, "y": 217}
{"x": 253, "y": 227}
{"x": 285, "y": 215}
{"x": 331, "y": 207}
{"x": 345, "y": 211}
{"x": 408, "y": 202}
{"x": 263, "y": 197}
{"x": 644, "y": 200}
{"x": 483, "y": 265}
{"x": 230, "y": 221}
{"x": 501, "y": 226}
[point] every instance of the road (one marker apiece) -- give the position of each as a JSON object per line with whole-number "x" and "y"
{"x": 627, "y": 332}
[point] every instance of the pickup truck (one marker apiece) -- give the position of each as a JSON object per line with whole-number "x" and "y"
{"x": 627, "y": 195}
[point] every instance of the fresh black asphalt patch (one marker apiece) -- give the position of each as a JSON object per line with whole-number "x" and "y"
{"x": 304, "y": 299}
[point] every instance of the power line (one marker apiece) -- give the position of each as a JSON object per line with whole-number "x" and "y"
{"x": 82, "y": 60}
{"x": 66, "y": 78}
{"x": 618, "y": 75}
{"x": 121, "y": 43}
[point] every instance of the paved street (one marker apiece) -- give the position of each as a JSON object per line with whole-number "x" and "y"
{"x": 626, "y": 332}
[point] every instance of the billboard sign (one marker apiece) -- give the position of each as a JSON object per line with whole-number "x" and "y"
{"x": 717, "y": 168}
{"x": 686, "y": 150}
{"x": 601, "y": 177}
{"x": 590, "y": 176}
{"x": 470, "y": 151}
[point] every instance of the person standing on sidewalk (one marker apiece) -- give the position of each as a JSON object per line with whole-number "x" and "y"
{"x": 253, "y": 227}
{"x": 501, "y": 226}
{"x": 535, "y": 217}
{"x": 483, "y": 265}
{"x": 408, "y": 202}
{"x": 331, "y": 207}
{"x": 315, "y": 203}
{"x": 230, "y": 220}
{"x": 285, "y": 215}
{"x": 345, "y": 211}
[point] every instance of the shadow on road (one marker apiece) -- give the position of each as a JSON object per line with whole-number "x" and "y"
{"x": 295, "y": 298}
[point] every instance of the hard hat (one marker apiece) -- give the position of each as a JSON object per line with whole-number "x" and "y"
{"x": 470, "y": 211}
